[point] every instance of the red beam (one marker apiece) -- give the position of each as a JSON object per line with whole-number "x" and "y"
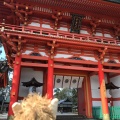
{"x": 111, "y": 70}
{"x": 26, "y": 64}
{"x": 111, "y": 64}
{"x": 75, "y": 61}
{"x": 34, "y": 57}
{"x": 75, "y": 68}
{"x": 114, "y": 75}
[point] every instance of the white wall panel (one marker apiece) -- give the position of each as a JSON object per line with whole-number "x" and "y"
{"x": 63, "y": 29}
{"x": 62, "y": 56}
{"x": 84, "y": 32}
{"x": 96, "y": 103}
{"x": 95, "y": 85}
{"x": 116, "y": 103}
{"x": 27, "y": 52}
{"x": 116, "y": 81}
{"x": 89, "y": 58}
{"x": 26, "y": 75}
{"x": 34, "y": 24}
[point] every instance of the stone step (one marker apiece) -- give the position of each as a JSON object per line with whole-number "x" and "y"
{"x": 73, "y": 117}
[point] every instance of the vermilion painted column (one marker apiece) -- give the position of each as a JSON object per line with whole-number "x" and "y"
{"x": 45, "y": 83}
{"x": 103, "y": 92}
{"x": 15, "y": 84}
{"x": 50, "y": 79}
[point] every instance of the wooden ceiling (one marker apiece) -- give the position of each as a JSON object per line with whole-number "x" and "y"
{"x": 80, "y": 6}
{"x": 94, "y": 8}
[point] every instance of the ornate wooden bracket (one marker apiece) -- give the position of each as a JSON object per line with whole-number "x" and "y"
{"x": 21, "y": 12}
{"x": 117, "y": 30}
{"x": 57, "y": 16}
{"x": 52, "y": 48}
{"x": 102, "y": 53}
{"x": 95, "y": 22}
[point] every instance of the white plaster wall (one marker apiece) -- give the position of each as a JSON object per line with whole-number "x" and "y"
{"x": 94, "y": 88}
{"x": 83, "y": 32}
{"x": 26, "y": 75}
{"x": 46, "y": 26}
{"x": 62, "y": 56}
{"x": 63, "y": 29}
{"x": 34, "y": 24}
{"x": 107, "y": 35}
{"x": 98, "y": 34}
{"x": 27, "y": 52}
{"x": 116, "y": 81}
{"x": 89, "y": 58}
{"x": 96, "y": 103}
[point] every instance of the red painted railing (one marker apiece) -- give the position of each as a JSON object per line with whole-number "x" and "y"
{"x": 59, "y": 34}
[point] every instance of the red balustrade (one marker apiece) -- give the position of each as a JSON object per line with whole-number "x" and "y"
{"x": 59, "y": 34}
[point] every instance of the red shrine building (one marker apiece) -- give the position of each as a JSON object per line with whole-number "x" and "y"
{"x": 64, "y": 44}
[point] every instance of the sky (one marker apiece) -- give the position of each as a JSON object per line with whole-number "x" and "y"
{"x": 2, "y": 55}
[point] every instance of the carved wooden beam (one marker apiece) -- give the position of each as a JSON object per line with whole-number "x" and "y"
{"x": 95, "y": 22}
{"x": 57, "y": 16}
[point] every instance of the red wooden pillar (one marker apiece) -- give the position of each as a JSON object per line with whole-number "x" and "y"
{"x": 50, "y": 79}
{"x": 44, "y": 91}
{"x": 15, "y": 84}
{"x": 81, "y": 101}
{"x": 103, "y": 92}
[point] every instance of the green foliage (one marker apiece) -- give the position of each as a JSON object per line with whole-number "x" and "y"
{"x": 71, "y": 94}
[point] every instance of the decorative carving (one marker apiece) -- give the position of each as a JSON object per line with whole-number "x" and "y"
{"x": 57, "y": 16}
{"x": 117, "y": 30}
{"x": 111, "y": 61}
{"x": 21, "y": 12}
{"x": 58, "y": 80}
{"x": 74, "y": 81}
{"x": 76, "y": 58}
{"x": 76, "y": 23}
{"x": 95, "y": 22}
{"x": 35, "y": 54}
{"x": 66, "y": 80}
{"x": 52, "y": 47}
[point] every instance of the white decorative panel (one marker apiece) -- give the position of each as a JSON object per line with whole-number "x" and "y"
{"x": 89, "y": 58}
{"x": 80, "y": 82}
{"x": 98, "y": 34}
{"x": 84, "y": 32}
{"x": 116, "y": 81}
{"x": 94, "y": 86}
{"x": 96, "y": 103}
{"x": 74, "y": 82}
{"x": 46, "y": 26}
{"x": 43, "y": 54}
{"x": 94, "y": 82}
{"x": 66, "y": 81}
{"x": 34, "y": 24}
{"x": 95, "y": 93}
{"x": 107, "y": 35}
{"x": 27, "y": 52}
{"x": 116, "y": 103}
{"x": 117, "y": 61}
{"x": 106, "y": 59}
{"x": 26, "y": 75}
{"x": 58, "y": 81}
{"x": 62, "y": 56}
{"x": 63, "y": 29}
